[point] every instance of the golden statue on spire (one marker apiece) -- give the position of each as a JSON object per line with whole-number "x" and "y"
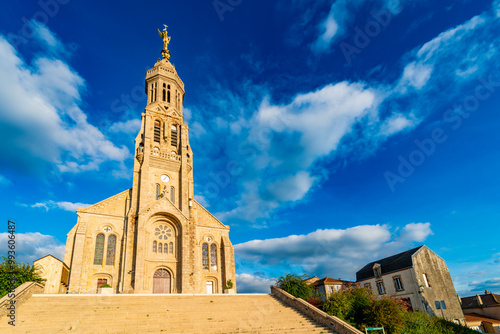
{"x": 166, "y": 39}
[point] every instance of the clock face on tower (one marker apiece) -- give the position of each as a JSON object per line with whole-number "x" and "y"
{"x": 164, "y": 178}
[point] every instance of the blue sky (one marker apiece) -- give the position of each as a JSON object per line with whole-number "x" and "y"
{"x": 327, "y": 134}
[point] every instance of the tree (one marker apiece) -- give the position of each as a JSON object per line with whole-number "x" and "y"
{"x": 13, "y": 274}
{"x": 295, "y": 285}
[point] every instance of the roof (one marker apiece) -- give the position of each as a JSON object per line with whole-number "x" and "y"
{"x": 488, "y": 300}
{"x": 52, "y": 257}
{"x": 388, "y": 264}
{"x": 477, "y": 317}
{"x": 326, "y": 281}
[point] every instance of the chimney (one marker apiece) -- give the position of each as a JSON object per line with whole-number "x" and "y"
{"x": 479, "y": 300}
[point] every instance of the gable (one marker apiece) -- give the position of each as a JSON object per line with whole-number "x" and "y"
{"x": 204, "y": 218}
{"x": 113, "y": 206}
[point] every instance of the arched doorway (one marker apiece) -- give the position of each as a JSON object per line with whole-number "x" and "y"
{"x": 161, "y": 281}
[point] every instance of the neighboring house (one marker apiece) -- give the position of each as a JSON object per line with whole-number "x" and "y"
{"x": 55, "y": 272}
{"x": 419, "y": 277}
{"x": 487, "y": 305}
{"x": 482, "y": 324}
{"x": 327, "y": 285}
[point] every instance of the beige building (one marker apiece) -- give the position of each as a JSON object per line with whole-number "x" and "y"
{"x": 326, "y": 286}
{"x": 55, "y": 272}
{"x": 487, "y": 304}
{"x": 154, "y": 237}
{"x": 482, "y": 324}
{"x": 419, "y": 277}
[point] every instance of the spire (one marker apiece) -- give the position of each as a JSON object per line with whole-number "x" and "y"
{"x": 166, "y": 39}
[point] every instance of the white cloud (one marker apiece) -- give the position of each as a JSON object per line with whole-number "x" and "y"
{"x": 247, "y": 283}
{"x": 67, "y": 206}
{"x": 4, "y": 181}
{"x": 200, "y": 199}
{"x": 333, "y": 252}
{"x": 40, "y": 114}
{"x": 32, "y": 246}
{"x": 416, "y": 75}
{"x": 395, "y": 124}
{"x": 128, "y": 127}
{"x": 292, "y": 188}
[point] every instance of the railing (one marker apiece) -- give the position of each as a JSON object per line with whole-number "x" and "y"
{"x": 21, "y": 294}
{"x": 338, "y": 325}
{"x": 166, "y": 155}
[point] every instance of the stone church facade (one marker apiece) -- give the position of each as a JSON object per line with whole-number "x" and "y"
{"x": 154, "y": 237}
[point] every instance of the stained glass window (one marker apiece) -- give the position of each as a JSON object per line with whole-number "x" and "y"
{"x": 165, "y": 248}
{"x": 160, "y": 247}
{"x": 171, "y": 248}
{"x": 205, "y": 256}
{"x": 154, "y": 246}
{"x": 110, "y": 254}
{"x": 213, "y": 256}
{"x": 99, "y": 249}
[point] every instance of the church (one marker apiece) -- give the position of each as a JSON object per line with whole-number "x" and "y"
{"x": 154, "y": 237}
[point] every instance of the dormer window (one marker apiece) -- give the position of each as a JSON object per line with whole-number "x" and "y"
{"x": 377, "y": 270}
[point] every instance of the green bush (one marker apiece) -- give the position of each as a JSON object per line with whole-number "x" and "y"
{"x": 339, "y": 304}
{"x": 105, "y": 286}
{"x": 229, "y": 285}
{"x": 295, "y": 285}
{"x": 14, "y": 274}
{"x": 386, "y": 313}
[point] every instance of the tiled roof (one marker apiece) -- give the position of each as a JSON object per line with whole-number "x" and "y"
{"x": 477, "y": 317}
{"x": 388, "y": 264}
{"x": 488, "y": 300}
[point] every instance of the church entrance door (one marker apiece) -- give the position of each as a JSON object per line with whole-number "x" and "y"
{"x": 210, "y": 288}
{"x": 161, "y": 281}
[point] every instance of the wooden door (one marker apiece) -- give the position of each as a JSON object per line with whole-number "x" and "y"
{"x": 100, "y": 282}
{"x": 161, "y": 281}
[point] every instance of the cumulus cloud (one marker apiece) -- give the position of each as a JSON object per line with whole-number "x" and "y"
{"x": 40, "y": 114}
{"x": 128, "y": 127}
{"x": 48, "y": 205}
{"x": 333, "y": 252}
{"x": 247, "y": 283}
{"x": 4, "y": 181}
{"x": 32, "y": 246}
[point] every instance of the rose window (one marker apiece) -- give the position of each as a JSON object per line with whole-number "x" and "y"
{"x": 163, "y": 232}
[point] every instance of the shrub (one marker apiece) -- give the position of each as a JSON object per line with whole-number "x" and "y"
{"x": 295, "y": 285}
{"x": 315, "y": 301}
{"x": 105, "y": 286}
{"x": 229, "y": 285}
{"x": 23, "y": 272}
{"x": 386, "y": 313}
{"x": 339, "y": 304}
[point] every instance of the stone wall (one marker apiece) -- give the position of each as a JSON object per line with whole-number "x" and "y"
{"x": 334, "y": 323}
{"x": 22, "y": 293}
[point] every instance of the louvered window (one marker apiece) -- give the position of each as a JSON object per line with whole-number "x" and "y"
{"x": 157, "y": 132}
{"x": 173, "y": 135}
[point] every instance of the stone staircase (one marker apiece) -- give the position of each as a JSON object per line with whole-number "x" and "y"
{"x": 193, "y": 314}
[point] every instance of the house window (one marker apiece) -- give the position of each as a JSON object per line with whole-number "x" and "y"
{"x": 426, "y": 281}
{"x": 398, "y": 284}
{"x": 213, "y": 256}
{"x": 154, "y": 246}
{"x": 157, "y": 131}
{"x": 377, "y": 270}
{"x": 110, "y": 253}
{"x": 204, "y": 250}
{"x": 380, "y": 287}
{"x": 99, "y": 249}
{"x": 173, "y": 135}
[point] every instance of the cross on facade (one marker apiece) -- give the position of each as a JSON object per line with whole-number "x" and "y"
{"x": 107, "y": 229}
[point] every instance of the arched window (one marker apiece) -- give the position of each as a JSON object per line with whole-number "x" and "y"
{"x": 173, "y": 135}
{"x": 168, "y": 94}
{"x": 171, "y": 248}
{"x": 160, "y": 248}
{"x": 99, "y": 249}
{"x": 164, "y": 93}
{"x": 158, "y": 191}
{"x": 204, "y": 255}
{"x": 154, "y": 246}
{"x": 110, "y": 253}
{"x": 172, "y": 194}
{"x": 151, "y": 93}
{"x": 157, "y": 131}
{"x": 155, "y": 90}
{"x": 213, "y": 257}
{"x": 165, "y": 248}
